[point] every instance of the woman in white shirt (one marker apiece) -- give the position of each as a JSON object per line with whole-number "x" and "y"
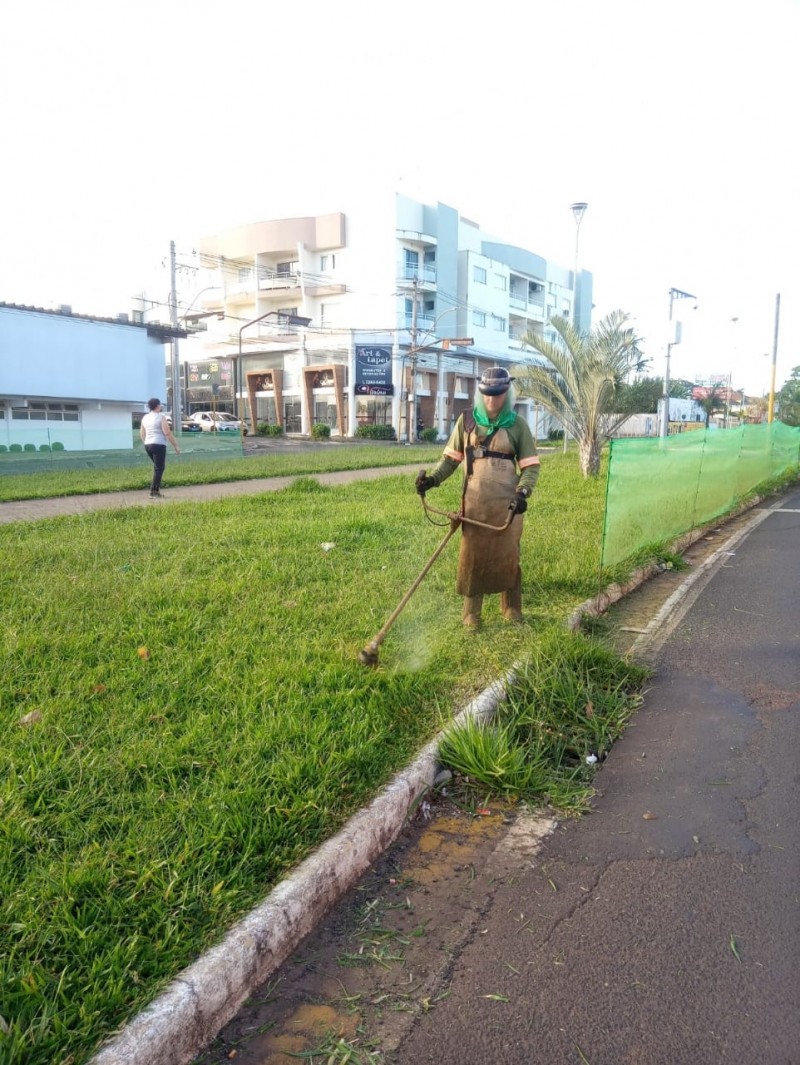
{"x": 155, "y": 432}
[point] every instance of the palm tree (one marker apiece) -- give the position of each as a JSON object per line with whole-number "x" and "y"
{"x": 580, "y": 379}
{"x": 712, "y": 402}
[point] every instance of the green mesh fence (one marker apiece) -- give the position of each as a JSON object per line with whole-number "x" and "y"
{"x": 80, "y": 449}
{"x": 661, "y": 487}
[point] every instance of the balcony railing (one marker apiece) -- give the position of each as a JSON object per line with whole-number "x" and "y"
{"x": 424, "y": 321}
{"x": 277, "y": 279}
{"x": 418, "y": 272}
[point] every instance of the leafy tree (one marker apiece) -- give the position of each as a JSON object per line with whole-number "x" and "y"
{"x": 789, "y": 399}
{"x": 580, "y": 379}
{"x": 643, "y": 395}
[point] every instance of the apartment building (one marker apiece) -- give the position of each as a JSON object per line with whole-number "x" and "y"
{"x": 385, "y": 313}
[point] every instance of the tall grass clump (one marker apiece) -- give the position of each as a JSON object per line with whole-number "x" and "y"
{"x": 569, "y": 701}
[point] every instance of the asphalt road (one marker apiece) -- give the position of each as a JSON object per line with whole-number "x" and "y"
{"x": 664, "y": 928}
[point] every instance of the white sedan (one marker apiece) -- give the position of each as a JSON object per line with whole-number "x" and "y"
{"x": 216, "y": 421}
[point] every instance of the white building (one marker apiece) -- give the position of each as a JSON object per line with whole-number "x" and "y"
{"x": 401, "y": 305}
{"x": 72, "y": 380}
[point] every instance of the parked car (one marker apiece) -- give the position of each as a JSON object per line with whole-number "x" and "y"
{"x": 187, "y": 425}
{"x": 218, "y": 421}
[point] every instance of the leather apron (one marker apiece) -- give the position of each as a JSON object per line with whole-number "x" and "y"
{"x": 488, "y": 561}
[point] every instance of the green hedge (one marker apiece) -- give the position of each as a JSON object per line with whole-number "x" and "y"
{"x": 376, "y": 432}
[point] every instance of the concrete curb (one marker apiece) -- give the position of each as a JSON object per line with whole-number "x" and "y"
{"x": 183, "y": 1020}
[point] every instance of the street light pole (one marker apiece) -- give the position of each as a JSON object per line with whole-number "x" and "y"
{"x": 291, "y": 319}
{"x": 578, "y": 211}
{"x": 771, "y": 404}
{"x": 674, "y": 294}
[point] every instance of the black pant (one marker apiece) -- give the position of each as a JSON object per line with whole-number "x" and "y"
{"x": 158, "y": 456}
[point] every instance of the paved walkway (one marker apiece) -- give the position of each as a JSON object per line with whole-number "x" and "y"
{"x": 35, "y": 509}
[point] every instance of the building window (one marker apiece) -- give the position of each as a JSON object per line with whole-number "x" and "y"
{"x": 498, "y": 323}
{"x": 410, "y": 263}
{"x": 500, "y": 282}
{"x": 479, "y": 275}
{"x": 427, "y": 306}
{"x": 51, "y": 412}
{"x": 479, "y": 318}
{"x": 323, "y": 263}
{"x": 244, "y": 273}
{"x": 137, "y": 317}
{"x": 430, "y": 255}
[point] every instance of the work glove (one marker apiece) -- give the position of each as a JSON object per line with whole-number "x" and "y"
{"x": 519, "y": 504}
{"x": 423, "y": 483}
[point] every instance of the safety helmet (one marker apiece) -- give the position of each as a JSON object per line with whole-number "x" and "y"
{"x": 495, "y": 381}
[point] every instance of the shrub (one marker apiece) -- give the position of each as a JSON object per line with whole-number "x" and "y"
{"x": 429, "y": 435}
{"x": 320, "y": 431}
{"x": 265, "y": 429}
{"x": 3, "y": 448}
{"x": 57, "y": 445}
{"x": 555, "y": 434}
{"x": 29, "y": 447}
{"x": 376, "y": 432}
{"x": 15, "y": 448}
{"x": 44, "y": 447}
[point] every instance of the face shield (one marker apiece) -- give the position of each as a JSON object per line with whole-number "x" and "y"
{"x": 509, "y": 401}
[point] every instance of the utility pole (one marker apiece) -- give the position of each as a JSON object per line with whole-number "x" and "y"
{"x": 411, "y": 419}
{"x": 771, "y": 405}
{"x": 175, "y": 366}
{"x": 674, "y": 294}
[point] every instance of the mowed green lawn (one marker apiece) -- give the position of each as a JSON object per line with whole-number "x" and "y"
{"x": 185, "y": 718}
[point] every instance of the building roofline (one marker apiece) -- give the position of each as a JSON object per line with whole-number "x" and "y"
{"x": 154, "y": 329}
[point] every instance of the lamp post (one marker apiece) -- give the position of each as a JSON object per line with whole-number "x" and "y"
{"x": 578, "y": 211}
{"x": 771, "y": 403}
{"x": 290, "y": 319}
{"x": 674, "y": 294}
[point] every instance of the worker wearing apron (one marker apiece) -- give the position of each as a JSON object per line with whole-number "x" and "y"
{"x": 500, "y": 471}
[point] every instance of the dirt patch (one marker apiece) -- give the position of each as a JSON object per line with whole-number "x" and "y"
{"x": 383, "y": 956}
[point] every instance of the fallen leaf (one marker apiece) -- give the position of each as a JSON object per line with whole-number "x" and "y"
{"x": 589, "y": 709}
{"x": 327, "y": 546}
{"x": 33, "y": 718}
{"x": 143, "y": 652}
{"x": 647, "y": 816}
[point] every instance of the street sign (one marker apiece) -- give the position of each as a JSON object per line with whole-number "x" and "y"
{"x": 458, "y": 342}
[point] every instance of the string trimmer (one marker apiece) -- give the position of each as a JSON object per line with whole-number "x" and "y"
{"x": 368, "y": 656}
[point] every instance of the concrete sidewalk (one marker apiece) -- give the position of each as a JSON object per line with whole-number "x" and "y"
{"x": 36, "y": 509}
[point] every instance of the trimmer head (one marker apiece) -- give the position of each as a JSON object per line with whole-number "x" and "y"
{"x": 369, "y": 655}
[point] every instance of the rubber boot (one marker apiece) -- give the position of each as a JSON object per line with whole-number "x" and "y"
{"x": 473, "y": 605}
{"x": 511, "y": 601}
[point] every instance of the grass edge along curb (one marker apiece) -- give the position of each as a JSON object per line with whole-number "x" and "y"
{"x": 181, "y": 1021}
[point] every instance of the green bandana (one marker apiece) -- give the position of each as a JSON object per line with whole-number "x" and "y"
{"x": 503, "y": 420}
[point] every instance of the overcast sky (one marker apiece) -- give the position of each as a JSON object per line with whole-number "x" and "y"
{"x": 126, "y": 125}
